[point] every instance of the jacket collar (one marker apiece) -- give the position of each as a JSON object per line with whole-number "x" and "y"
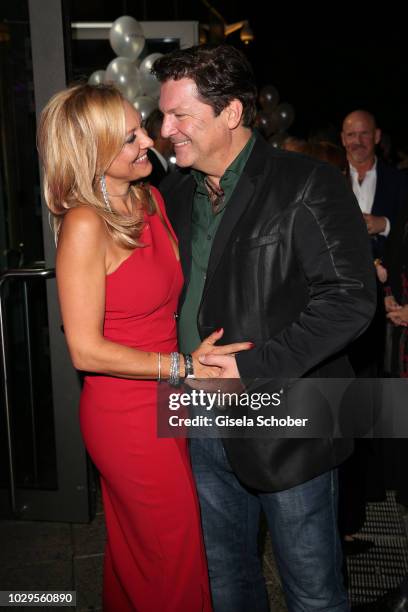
{"x": 240, "y": 200}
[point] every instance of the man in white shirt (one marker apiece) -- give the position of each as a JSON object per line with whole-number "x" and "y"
{"x": 381, "y": 192}
{"x": 380, "y": 189}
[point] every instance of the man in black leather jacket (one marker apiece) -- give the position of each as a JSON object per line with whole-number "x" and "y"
{"x": 274, "y": 250}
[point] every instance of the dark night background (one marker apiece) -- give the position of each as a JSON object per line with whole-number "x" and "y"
{"x": 325, "y": 61}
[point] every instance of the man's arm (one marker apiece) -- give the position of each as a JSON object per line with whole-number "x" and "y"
{"x": 332, "y": 249}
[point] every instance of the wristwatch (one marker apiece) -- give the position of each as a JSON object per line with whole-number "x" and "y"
{"x": 188, "y": 363}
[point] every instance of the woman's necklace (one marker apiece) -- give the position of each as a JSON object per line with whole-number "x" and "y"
{"x": 107, "y": 195}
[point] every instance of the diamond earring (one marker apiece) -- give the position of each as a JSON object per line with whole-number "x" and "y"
{"x": 105, "y": 193}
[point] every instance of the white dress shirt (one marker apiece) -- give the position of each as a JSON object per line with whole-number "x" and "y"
{"x": 365, "y": 192}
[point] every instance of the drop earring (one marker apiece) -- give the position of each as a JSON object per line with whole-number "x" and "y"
{"x": 105, "y": 193}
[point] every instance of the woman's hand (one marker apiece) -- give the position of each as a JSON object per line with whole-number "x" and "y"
{"x": 207, "y": 347}
{"x": 399, "y": 317}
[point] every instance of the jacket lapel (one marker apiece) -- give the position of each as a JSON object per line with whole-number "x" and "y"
{"x": 237, "y": 205}
{"x": 239, "y": 202}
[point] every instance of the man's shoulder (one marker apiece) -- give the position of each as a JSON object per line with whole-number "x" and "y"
{"x": 297, "y": 168}
{"x": 295, "y": 160}
{"x": 271, "y": 161}
{"x": 264, "y": 160}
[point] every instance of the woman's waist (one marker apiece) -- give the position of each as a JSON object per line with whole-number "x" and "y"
{"x": 111, "y": 390}
{"x": 165, "y": 344}
{"x": 145, "y": 336}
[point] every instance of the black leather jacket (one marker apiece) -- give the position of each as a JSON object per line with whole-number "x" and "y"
{"x": 290, "y": 270}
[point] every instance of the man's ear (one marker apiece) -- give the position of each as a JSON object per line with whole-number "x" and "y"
{"x": 233, "y": 113}
{"x": 377, "y": 136}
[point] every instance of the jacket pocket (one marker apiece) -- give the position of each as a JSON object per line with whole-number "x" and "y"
{"x": 257, "y": 241}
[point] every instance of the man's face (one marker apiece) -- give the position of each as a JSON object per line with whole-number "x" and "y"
{"x": 198, "y": 136}
{"x": 359, "y": 137}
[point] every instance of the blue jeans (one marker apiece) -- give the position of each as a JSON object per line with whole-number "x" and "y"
{"x": 303, "y": 526}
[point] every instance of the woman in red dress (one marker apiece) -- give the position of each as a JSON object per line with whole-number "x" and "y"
{"x": 119, "y": 280}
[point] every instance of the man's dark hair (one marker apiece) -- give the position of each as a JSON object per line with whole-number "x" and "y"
{"x": 221, "y": 73}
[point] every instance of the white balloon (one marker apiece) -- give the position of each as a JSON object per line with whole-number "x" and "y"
{"x": 97, "y": 77}
{"x": 149, "y": 84}
{"x": 145, "y": 105}
{"x": 147, "y": 63}
{"x": 126, "y": 37}
{"x": 120, "y": 71}
{"x": 131, "y": 89}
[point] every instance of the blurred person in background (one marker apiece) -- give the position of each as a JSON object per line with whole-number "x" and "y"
{"x": 161, "y": 151}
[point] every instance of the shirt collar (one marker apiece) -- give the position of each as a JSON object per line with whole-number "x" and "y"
{"x": 234, "y": 170}
{"x": 372, "y": 170}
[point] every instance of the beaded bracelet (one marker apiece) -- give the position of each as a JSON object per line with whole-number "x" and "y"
{"x": 174, "y": 375}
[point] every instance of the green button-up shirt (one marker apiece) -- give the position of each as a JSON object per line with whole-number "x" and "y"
{"x": 204, "y": 227}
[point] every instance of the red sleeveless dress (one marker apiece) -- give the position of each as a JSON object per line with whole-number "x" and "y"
{"x": 154, "y": 558}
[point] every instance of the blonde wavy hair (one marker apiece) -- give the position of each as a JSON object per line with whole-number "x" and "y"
{"x": 81, "y": 131}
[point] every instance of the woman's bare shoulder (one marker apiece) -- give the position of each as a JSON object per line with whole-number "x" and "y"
{"x": 83, "y": 215}
{"x": 83, "y": 222}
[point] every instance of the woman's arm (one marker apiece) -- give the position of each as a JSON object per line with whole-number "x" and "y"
{"x": 82, "y": 262}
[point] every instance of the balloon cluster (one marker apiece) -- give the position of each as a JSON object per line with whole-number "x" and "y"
{"x": 274, "y": 118}
{"x": 130, "y": 75}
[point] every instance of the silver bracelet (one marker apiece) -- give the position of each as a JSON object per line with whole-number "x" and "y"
{"x": 174, "y": 375}
{"x": 159, "y": 367}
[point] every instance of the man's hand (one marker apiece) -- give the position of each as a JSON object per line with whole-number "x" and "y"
{"x": 391, "y": 304}
{"x": 399, "y": 317}
{"x": 375, "y": 225}
{"x": 227, "y": 364}
{"x": 207, "y": 347}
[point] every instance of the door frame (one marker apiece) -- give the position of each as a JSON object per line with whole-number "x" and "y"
{"x": 72, "y": 500}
